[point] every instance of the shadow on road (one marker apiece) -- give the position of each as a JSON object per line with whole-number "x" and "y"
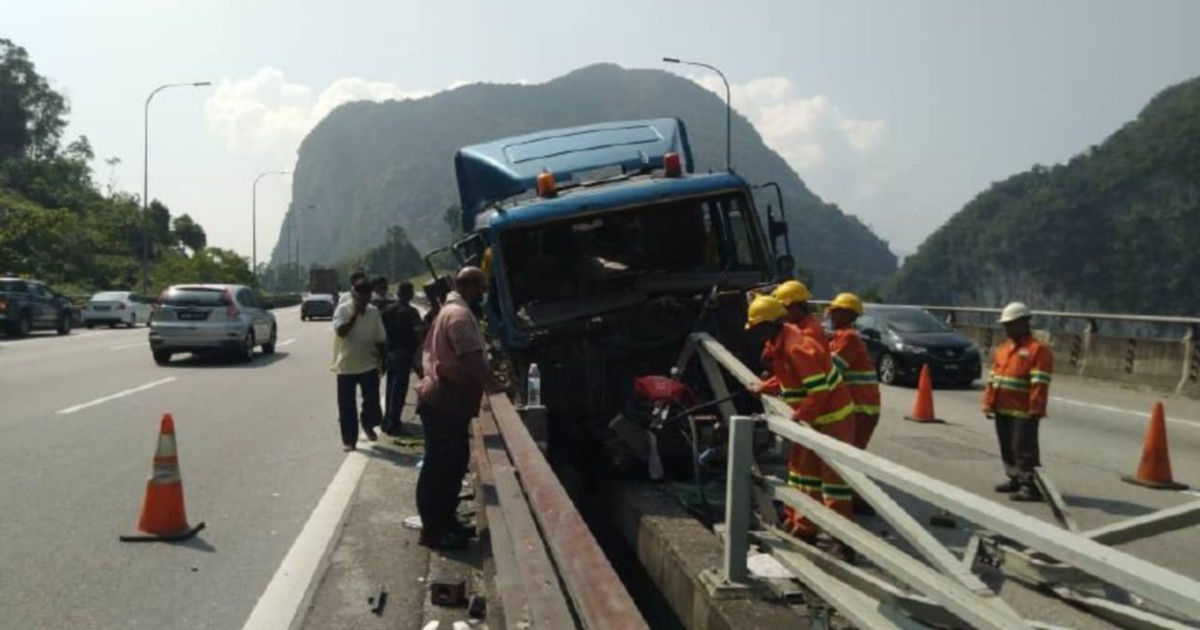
{"x": 197, "y": 543}
{"x": 1108, "y": 506}
{"x": 226, "y": 362}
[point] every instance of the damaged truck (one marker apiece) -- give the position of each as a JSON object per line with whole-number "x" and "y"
{"x": 604, "y": 251}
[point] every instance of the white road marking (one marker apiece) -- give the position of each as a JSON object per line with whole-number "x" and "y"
{"x": 291, "y": 589}
{"x": 98, "y": 401}
{"x": 140, "y": 344}
{"x": 286, "y": 342}
{"x": 1129, "y": 412}
{"x": 1194, "y": 493}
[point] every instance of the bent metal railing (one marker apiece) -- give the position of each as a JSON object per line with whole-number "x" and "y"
{"x": 942, "y": 589}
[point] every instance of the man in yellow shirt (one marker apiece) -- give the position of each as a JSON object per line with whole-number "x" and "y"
{"x": 359, "y": 346}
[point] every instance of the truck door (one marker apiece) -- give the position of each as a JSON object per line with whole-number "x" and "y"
{"x": 42, "y": 305}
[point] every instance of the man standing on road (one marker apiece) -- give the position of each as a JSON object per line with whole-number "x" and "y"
{"x": 795, "y": 296}
{"x": 379, "y": 293}
{"x": 359, "y": 344}
{"x": 1015, "y": 397}
{"x": 400, "y": 320}
{"x": 448, "y": 397}
{"x": 851, "y": 357}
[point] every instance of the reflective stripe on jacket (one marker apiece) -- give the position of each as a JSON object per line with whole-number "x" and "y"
{"x": 1019, "y": 385}
{"x": 806, "y": 379}
{"x": 851, "y": 357}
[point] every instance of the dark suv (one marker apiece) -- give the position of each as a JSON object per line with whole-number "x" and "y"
{"x": 28, "y": 305}
{"x": 902, "y": 339}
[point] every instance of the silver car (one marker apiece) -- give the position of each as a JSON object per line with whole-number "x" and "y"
{"x": 211, "y": 318}
{"x": 116, "y": 307}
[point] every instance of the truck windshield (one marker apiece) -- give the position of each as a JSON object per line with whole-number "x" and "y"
{"x": 594, "y": 256}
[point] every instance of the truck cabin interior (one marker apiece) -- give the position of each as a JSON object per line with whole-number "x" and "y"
{"x": 578, "y": 267}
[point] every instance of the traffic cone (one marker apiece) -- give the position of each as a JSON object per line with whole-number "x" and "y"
{"x": 923, "y": 405}
{"x": 163, "y": 515}
{"x": 1154, "y": 471}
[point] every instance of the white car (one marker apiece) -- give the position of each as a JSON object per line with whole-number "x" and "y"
{"x": 116, "y": 307}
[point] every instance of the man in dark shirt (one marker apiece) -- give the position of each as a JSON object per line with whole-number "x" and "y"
{"x": 400, "y": 320}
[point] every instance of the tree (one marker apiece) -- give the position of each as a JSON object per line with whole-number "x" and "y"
{"x": 32, "y": 114}
{"x": 158, "y": 224}
{"x": 189, "y": 233}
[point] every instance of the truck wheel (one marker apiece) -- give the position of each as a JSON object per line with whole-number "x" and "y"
{"x": 23, "y": 326}
{"x": 162, "y": 357}
{"x": 64, "y": 324}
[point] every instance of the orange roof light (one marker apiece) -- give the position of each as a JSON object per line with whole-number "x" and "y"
{"x": 672, "y": 166}
{"x": 546, "y": 187}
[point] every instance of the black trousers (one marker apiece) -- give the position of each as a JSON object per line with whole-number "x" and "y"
{"x": 399, "y": 364}
{"x": 447, "y": 455}
{"x": 1019, "y": 446}
{"x": 348, "y": 416}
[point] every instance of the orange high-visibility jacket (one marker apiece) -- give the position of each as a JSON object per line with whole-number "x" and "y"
{"x": 1019, "y": 385}
{"x": 851, "y": 357}
{"x": 811, "y": 326}
{"x": 806, "y": 379}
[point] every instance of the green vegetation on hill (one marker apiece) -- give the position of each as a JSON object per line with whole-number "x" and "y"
{"x": 56, "y": 225}
{"x": 1113, "y": 229}
{"x": 370, "y": 166}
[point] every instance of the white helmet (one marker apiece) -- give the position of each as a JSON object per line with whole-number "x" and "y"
{"x": 1014, "y": 311}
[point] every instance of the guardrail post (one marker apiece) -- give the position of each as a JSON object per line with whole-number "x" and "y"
{"x": 737, "y": 499}
{"x": 733, "y": 578}
{"x": 1191, "y": 360}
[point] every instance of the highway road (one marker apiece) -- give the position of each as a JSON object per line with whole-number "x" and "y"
{"x": 1092, "y": 435}
{"x": 258, "y": 447}
{"x": 79, "y": 415}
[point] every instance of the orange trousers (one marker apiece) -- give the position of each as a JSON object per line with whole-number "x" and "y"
{"x": 814, "y": 477}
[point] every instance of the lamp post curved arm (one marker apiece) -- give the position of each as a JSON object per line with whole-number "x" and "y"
{"x": 254, "y": 221}
{"x": 728, "y": 104}
{"x": 146, "y": 174}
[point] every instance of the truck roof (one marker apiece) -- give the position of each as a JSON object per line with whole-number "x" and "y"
{"x": 585, "y": 200}
{"x": 495, "y": 171}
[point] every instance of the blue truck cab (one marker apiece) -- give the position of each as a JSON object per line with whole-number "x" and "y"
{"x": 604, "y": 250}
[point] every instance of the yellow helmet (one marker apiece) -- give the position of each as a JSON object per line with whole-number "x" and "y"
{"x": 764, "y": 308}
{"x": 848, "y": 301}
{"x": 791, "y": 292}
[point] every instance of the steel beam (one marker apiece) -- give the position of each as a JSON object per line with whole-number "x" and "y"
{"x": 855, "y": 605}
{"x": 937, "y": 587}
{"x": 1058, "y": 505}
{"x": 1146, "y": 526}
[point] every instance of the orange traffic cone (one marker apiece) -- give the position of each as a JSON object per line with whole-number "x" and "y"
{"x": 163, "y": 515}
{"x": 923, "y": 405}
{"x": 1155, "y": 469}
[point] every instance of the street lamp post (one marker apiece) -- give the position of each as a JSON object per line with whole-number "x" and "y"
{"x": 254, "y": 221}
{"x": 146, "y": 176}
{"x": 728, "y": 105}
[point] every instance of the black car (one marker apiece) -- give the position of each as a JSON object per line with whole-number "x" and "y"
{"x": 28, "y": 305}
{"x": 901, "y": 339}
{"x": 317, "y": 305}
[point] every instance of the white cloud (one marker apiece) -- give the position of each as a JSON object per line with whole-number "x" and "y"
{"x": 266, "y": 115}
{"x": 839, "y": 156}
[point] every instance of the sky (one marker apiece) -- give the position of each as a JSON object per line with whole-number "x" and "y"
{"x": 899, "y": 111}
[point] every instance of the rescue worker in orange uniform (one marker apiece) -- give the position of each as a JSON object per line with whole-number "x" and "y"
{"x": 795, "y": 296}
{"x": 851, "y": 357}
{"x": 1015, "y": 397}
{"x": 805, "y": 379}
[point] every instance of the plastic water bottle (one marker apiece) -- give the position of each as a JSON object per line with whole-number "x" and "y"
{"x": 533, "y": 395}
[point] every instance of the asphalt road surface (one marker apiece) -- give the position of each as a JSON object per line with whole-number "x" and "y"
{"x": 79, "y": 416}
{"x": 258, "y": 447}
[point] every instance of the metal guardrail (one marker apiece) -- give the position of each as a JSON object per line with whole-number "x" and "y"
{"x": 551, "y": 572}
{"x": 941, "y": 589}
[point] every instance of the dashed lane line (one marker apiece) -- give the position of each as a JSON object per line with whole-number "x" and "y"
{"x": 111, "y": 397}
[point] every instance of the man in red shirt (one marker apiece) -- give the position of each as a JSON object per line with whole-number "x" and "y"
{"x": 449, "y": 395}
{"x": 1016, "y": 396}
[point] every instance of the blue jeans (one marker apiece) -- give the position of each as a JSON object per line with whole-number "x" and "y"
{"x": 348, "y": 416}
{"x": 399, "y": 367}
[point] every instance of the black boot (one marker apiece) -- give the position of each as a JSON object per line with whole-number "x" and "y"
{"x": 1027, "y": 494}
{"x": 1009, "y": 487}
